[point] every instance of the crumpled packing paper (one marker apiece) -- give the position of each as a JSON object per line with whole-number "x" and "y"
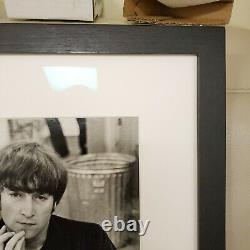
{"x": 184, "y": 3}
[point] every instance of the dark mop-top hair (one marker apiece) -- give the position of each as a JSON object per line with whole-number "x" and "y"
{"x": 31, "y": 167}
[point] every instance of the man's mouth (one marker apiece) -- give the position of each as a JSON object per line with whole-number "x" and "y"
{"x": 27, "y": 223}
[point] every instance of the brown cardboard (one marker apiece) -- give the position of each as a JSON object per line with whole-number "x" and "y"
{"x": 152, "y": 11}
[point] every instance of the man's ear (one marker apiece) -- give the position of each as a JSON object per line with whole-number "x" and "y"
{"x": 54, "y": 207}
{"x": 1, "y": 189}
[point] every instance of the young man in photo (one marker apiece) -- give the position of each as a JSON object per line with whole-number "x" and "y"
{"x": 32, "y": 182}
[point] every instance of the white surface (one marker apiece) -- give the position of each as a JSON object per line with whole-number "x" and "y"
{"x": 112, "y": 13}
{"x": 238, "y": 136}
{"x": 238, "y": 59}
{"x": 161, "y": 91}
{"x": 238, "y": 171}
{"x": 240, "y": 15}
{"x": 184, "y": 3}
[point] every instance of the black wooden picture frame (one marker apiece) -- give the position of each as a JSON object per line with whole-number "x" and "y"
{"x": 208, "y": 43}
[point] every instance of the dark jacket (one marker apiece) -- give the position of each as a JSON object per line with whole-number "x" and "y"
{"x": 64, "y": 234}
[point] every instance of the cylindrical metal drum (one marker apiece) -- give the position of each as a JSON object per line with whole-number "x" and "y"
{"x": 97, "y": 189}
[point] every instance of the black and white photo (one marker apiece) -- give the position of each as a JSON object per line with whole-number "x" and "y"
{"x": 70, "y": 183}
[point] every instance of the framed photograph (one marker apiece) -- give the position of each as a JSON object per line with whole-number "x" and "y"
{"x": 154, "y": 95}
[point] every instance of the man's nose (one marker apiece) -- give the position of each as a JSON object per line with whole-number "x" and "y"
{"x": 28, "y": 207}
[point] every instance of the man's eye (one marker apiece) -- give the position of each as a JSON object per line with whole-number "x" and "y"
{"x": 41, "y": 197}
{"x": 16, "y": 195}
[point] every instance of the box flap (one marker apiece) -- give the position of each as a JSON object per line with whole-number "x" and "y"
{"x": 152, "y": 11}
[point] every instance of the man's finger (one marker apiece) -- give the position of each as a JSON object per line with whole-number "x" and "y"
{"x": 3, "y": 230}
{"x": 5, "y": 237}
{"x": 13, "y": 241}
{"x": 20, "y": 244}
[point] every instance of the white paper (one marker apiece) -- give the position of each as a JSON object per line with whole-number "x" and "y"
{"x": 185, "y": 3}
{"x": 161, "y": 91}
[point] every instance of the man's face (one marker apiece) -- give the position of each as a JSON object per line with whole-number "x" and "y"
{"x": 29, "y": 212}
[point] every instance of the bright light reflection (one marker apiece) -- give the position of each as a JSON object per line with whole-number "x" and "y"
{"x": 62, "y": 78}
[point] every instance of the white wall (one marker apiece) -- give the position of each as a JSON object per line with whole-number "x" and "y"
{"x": 240, "y": 16}
{"x": 238, "y": 139}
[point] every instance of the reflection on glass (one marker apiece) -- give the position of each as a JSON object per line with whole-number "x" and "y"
{"x": 62, "y": 78}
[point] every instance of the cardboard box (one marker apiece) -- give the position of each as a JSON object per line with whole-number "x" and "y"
{"x": 152, "y": 11}
{"x": 83, "y": 10}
